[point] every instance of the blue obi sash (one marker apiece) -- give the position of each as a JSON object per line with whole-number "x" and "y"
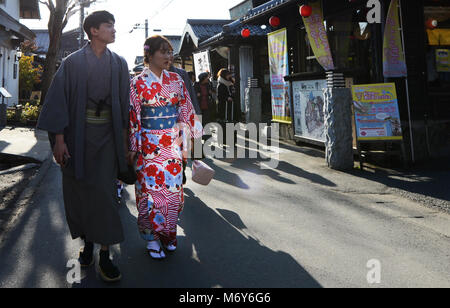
{"x": 155, "y": 118}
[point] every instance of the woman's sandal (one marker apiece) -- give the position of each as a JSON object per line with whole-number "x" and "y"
{"x": 156, "y": 254}
{"x": 170, "y": 247}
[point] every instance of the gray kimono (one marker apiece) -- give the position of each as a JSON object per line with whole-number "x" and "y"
{"x": 97, "y": 148}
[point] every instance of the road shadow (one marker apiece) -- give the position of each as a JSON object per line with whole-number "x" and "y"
{"x": 431, "y": 178}
{"x": 222, "y": 255}
{"x": 254, "y": 159}
{"x": 34, "y": 253}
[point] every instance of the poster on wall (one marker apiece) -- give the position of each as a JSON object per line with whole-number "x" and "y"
{"x": 202, "y": 63}
{"x": 278, "y": 61}
{"x": 376, "y": 112}
{"x": 308, "y": 103}
{"x": 443, "y": 60}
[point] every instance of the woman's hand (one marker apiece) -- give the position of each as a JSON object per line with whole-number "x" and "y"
{"x": 131, "y": 156}
{"x": 60, "y": 151}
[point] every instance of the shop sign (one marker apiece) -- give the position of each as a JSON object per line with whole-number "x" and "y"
{"x": 202, "y": 63}
{"x": 376, "y": 112}
{"x": 308, "y": 103}
{"x": 278, "y": 62}
{"x": 317, "y": 35}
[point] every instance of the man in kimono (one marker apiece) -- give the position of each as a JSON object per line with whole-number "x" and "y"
{"x": 86, "y": 115}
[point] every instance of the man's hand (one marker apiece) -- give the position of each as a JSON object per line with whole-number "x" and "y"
{"x": 131, "y": 156}
{"x": 60, "y": 151}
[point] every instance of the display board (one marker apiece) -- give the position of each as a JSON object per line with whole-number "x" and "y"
{"x": 376, "y": 112}
{"x": 308, "y": 102}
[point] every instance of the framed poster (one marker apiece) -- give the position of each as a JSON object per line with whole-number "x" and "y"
{"x": 308, "y": 103}
{"x": 376, "y": 112}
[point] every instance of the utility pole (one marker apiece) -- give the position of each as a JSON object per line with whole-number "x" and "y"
{"x": 83, "y": 4}
{"x": 146, "y": 28}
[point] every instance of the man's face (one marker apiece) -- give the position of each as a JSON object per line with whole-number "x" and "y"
{"x": 106, "y": 33}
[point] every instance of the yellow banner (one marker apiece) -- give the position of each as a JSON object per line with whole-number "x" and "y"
{"x": 279, "y": 67}
{"x": 317, "y": 35}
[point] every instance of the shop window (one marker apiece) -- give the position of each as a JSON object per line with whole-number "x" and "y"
{"x": 438, "y": 46}
{"x": 352, "y": 42}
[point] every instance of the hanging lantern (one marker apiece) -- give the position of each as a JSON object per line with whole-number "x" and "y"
{"x": 245, "y": 32}
{"x": 431, "y": 23}
{"x": 305, "y": 10}
{"x": 274, "y": 21}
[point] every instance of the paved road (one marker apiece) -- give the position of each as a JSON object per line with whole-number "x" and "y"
{"x": 300, "y": 225}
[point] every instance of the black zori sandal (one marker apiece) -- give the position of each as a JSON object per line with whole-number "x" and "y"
{"x": 86, "y": 256}
{"x": 108, "y": 271}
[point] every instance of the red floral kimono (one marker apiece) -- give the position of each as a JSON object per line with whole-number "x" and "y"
{"x": 160, "y": 109}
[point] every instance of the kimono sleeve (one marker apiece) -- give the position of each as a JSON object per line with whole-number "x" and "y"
{"x": 54, "y": 116}
{"x": 187, "y": 114}
{"x": 135, "y": 121}
{"x": 124, "y": 83}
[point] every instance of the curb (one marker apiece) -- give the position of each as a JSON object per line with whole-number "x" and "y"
{"x": 26, "y": 195}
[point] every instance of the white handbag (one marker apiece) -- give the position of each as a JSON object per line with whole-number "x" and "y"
{"x": 201, "y": 173}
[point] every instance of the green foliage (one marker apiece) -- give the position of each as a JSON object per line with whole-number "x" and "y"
{"x": 30, "y": 113}
{"x": 28, "y": 74}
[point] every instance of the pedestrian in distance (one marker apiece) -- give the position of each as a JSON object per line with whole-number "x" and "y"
{"x": 204, "y": 91}
{"x": 86, "y": 115}
{"x": 225, "y": 95}
{"x": 160, "y": 107}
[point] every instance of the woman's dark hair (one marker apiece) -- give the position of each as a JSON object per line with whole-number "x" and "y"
{"x": 223, "y": 73}
{"x": 153, "y": 44}
{"x": 95, "y": 19}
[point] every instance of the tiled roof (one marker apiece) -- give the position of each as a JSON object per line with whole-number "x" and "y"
{"x": 266, "y": 8}
{"x": 175, "y": 40}
{"x": 204, "y": 28}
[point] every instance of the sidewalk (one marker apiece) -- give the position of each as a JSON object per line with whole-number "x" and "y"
{"x": 426, "y": 183}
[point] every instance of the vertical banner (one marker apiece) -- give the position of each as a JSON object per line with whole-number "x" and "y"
{"x": 318, "y": 36}
{"x": 394, "y": 64}
{"x": 376, "y": 112}
{"x": 202, "y": 63}
{"x": 278, "y": 61}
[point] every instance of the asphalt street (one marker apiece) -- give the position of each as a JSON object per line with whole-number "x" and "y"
{"x": 300, "y": 225}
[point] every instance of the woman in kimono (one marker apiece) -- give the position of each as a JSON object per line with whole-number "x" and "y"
{"x": 160, "y": 109}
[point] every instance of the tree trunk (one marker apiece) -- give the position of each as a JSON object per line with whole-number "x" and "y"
{"x": 55, "y": 28}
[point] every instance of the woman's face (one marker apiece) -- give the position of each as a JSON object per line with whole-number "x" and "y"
{"x": 161, "y": 59}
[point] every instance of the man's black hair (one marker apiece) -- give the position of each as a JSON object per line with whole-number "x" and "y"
{"x": 95, "y": 19}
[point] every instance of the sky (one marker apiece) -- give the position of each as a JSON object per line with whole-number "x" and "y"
{"x": 168, "y": 15}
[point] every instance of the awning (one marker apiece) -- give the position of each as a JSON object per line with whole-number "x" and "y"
{"x": 233, "y": 31}
{"x": 16, "y": 27}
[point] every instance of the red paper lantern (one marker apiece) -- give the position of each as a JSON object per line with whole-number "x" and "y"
{"x": 305, "y": 10}
{"x": 431, "y": 23}
{"x": 245, "y": 33}
{"x": 274, "y": 21}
